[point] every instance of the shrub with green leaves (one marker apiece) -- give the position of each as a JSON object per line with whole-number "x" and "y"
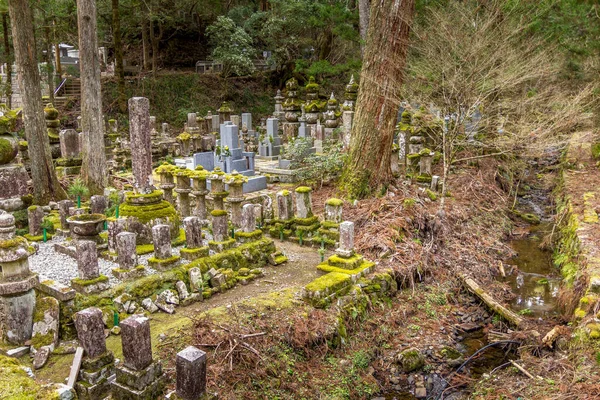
{"x": 78, "y": 189}
{"x": 232, "y": 46}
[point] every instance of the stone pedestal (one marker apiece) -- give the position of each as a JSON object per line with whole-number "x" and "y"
{"x": 89, "y": 280}
{"x": 248, "y": 232}
{"x": 17, "y": 297}
{"x": 217, "y": 188}
{"x": 139, "y": 377}
{"x": 221, "y": 240}
{"x": 235, "y": 181}
{"x": 199, "y": 191}
{"x": 163, "y": 256}
{"x": 142, "y": 212}
{"x": 127, "y": 257}
{"x": 35, "y": 215}
{"x": 98, "y": 363}
{"x": 191, "y": 373}
{"x": 193, "y": 235}
{"x": 183, "y": 191}
{"x": 306, "y": 223}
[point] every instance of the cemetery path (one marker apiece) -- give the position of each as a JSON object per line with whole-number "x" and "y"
{"x": 293, "y": 275}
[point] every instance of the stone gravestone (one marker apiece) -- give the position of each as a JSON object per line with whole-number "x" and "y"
{"x": 127, "y": 257}
{"x": 98, "y": 363}
{"x": 191, "y": 373}
{"x": 270, "y": 146}
{"x": 139, "y": 376}
{"x": 163, "y": 255}
{"x": 69, "y": 143}
{"x": 346, "y": 248}
{"x": 193, "y": 235}
{"x": 89, "y": 279}
{"x": 141, "y": 144}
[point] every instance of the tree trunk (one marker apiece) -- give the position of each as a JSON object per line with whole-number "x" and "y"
{"x": 8, "y": 60}
{"x": 93, "y": 168}
{"x": 49, "y": 66}
{"x": 116, "y": 25}
{"x": 154, "y": 40}
{"x": 369, "y": 164}
{"x": 145, "y": 40}
{"x": 57, "y": 53}
{"x": 45, "y": 184}
{"x": 363, "y": 22}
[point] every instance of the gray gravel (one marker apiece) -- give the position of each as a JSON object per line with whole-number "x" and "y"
{"x": 62, "y": 268}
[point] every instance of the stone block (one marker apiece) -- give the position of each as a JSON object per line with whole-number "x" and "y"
{"x": 136, "y": 342}
{"x": 191, "y": 373}
{"x": 90, "y": 331}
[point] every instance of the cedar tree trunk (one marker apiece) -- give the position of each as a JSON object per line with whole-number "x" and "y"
{"x": 369, "y": 163}
{"x": 93, "y": 168}
{"x": 116, "y": 26}
{"x": 45, "y": 184}
{"x": 8, "y": 60}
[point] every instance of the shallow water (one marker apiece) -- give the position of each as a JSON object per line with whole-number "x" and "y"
{"x": 535, "y": 280}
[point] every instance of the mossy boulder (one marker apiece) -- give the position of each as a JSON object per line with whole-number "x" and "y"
{"x": 8, "y": 149}
{"x": 411, "y": 360}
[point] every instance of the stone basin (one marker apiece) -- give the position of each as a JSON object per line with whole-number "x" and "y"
{"x": 86, "y": 224}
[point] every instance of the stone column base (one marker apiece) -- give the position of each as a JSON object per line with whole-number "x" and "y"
{"x": 147, "y": 384}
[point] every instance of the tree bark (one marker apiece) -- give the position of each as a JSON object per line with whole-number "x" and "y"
{"x": 369, "y": 164}
{"x": 116, "y": 25}
{"x": 57, "y": 53}
{"x": 145, "y": 40}
{"x": 363, "y": 22}
{"x": 154, "y": 40}
{"x": 93, "y": 168}
{"x": 49, "y": 66}
{"x": 45, "y": 184}
{"x": 8, "y": 60}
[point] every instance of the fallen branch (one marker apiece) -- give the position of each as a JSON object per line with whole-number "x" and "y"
{"x": 524, "y": 371}
{"x": 507, "y": 314}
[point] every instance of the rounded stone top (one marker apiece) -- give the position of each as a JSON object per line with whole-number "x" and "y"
{"x": 6, "y": 219}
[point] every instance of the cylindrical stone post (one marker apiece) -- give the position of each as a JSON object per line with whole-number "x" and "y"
{"x": 193, "y": 232}
{"x": 136, "y": 342}
{"x": 217, "y": 188}
{"x": 333, "y": 210}
{"x": 35, "y": 215}
{"x": 199, "y": 191}
{"x": 126, "y": 250}
{"x": 87, "y": 259}
{"x": 346, "y": 247}
{"x": 63, "y": 211}
{"x": 191, "y": 373}
{"x": 284, "y": 205}
{"x": 303, "y": 202}
{"x": 140, "y": 143}
{"x": 248, "y": 218}
{"x": 90, "y": 331}
{"x": 236, "y": 197}
{"x": 219, "y": 225}
{"x": 161, "y": 237}
{"x": 183, "y": 192}
{"x": 98, "y": 204}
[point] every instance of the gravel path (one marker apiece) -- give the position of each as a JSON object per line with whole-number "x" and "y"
{"x": 51, "y": 264}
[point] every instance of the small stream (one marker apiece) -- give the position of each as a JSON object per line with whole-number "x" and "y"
{"x": 532, "y": 276}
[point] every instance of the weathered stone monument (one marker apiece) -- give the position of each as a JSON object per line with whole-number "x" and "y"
{"x": 17, "y": 296}
{"x": 127, "y": 257}
{"x": 138, "y": 377}
{"x": 269, "y": 146}
{"x": 98, "y": 363}
{"x": 191, "y": 373}
{"x": 89, "y": 280}
{"x": 163, "y": 256}
{"x": 70, "y": 161}
{"x": 193, "y": 235}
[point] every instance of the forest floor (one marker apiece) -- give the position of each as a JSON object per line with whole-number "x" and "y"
{"x": 295, "y": 356}
{"x": 293, "y": 351}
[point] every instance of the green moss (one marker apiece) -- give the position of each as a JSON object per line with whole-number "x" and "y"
{"x": 409, "y": 203}
{"x": 218, "y": 213}
{"x": 184, "y": 137}
{"x": 10, "y": 243}
{"x": 199, "y": 252}
{"x": 307, "y": 221}
{"x": 88, "y": 282}
{"x": 142, "y": 249}
{"x": 329, "y": 283}
{"x": 431, "y": 194}
{"x": 150, "y": 212}
{"x": 326, "y": 267}
{"x": 423, "y": 178}
{"x": 155, "y": 196}
{"x": 36, "y": 238}
{"x": 32, "y": 208}
{"x": 88, "y": 217}
{"x": 7, "y": 151}
{"x": 303, "y": 189}
{"x": 170, "y": 260}
{"x": 596, "y": 150}
{"x": 248, "y": 235}
{"x": 17, "y": 385}
{"x": 334, "y": 202}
